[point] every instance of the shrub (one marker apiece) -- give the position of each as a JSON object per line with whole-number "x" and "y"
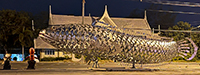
{"x": 104, "y": 58}
{"x": 67, "y": 57}
{"x": 77, "y": 56}
{"x": 48, "y": 59}
{"x": 60, "y": 58}
{"x": 193, "y": 60}
{"x": 15, "y": 58}
{"x": 53, "y": 58}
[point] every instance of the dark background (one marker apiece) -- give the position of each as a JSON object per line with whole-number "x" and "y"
{"x": 116, "y": 8}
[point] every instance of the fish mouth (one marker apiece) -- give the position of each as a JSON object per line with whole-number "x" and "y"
{"x": 45, "y": 36}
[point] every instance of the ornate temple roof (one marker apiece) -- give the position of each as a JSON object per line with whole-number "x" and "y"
{"x": 40, "y": 44}
{"x": 69, "y": 19}
{"x": 140, "y": 25}
{"x": 135, "y": 26}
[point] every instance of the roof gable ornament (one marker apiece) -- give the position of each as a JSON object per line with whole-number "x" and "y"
{"x": 50, "y": 16}
{"x": 50, "y": 9}
{"x": 106, "y": 18}
{"x": 83, "y": 1}
{"x": 83, "y": 11}
{"x": 145, "y": 14}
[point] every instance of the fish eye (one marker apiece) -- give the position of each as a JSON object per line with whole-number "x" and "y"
{"x": 53, "y": 28}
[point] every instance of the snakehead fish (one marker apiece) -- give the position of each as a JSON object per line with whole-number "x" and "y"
{"x": 93, "y": 40}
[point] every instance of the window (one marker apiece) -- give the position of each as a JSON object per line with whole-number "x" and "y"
{"x": 49, "y": 52}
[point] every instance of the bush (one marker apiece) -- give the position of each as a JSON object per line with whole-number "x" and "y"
{"x": 60, "y": 58}
{"x": 104, "y": 58}
{"x": 54, "y": 58}
{"x": 180, "y": 59}
{"x": 15, "y": 58}
{"x": 77, "y": 56}
{"x": 193, "y": 60}
{"x": 67, "y": 57}
{"x": 48, "y": 59}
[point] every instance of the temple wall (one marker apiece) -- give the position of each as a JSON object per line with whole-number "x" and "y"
{"x": 42, "y": 54}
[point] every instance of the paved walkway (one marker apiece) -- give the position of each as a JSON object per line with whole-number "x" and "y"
{"x": 69, "y": 68}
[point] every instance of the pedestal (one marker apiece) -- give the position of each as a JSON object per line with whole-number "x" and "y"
{"x": 7, "y": 65}
{"x": 31, "y": 64}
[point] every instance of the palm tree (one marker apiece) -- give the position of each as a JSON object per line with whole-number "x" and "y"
{"x": 15, "y": 29}
{"x": 25, "y": 37}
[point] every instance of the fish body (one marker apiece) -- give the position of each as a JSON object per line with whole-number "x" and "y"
{"x": 109, "y": 43}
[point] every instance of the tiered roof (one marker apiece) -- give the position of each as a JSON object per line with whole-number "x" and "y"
{"x": 40, "y": 44}
{"x": 135, "y": 26}
{"x": 138, "y": 25}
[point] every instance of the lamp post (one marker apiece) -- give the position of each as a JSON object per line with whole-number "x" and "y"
{"x": 83, "y": 11}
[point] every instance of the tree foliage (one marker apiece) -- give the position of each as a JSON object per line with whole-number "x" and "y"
{"x": 181, "y": 35}
{"x": 25, "y": 36}
{"x": 178, "y": 35}
{"x": 164, "y": 19}
{"x": 155, "y": 18}
{"x": 15, "y": 29}
{"x": 41, "y": 20}
{"x": 136, "y": 13}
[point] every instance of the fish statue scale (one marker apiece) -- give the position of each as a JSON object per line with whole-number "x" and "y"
{"x": 105, "y": 42}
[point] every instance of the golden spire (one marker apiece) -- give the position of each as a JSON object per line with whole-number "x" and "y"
{"x": 83, "y": 1}
{"x": 50, "y": 16}
{"x": 83, "y": 11}
{"x": 145, "y": 14}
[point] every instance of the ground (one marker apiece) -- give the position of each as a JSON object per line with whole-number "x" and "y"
{"x": 71, "y": 68}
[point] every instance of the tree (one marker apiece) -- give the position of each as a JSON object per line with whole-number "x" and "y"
{"x": 15, "y": 29}
{"x": 196, "y": 38}
{"x": 178, "y": 35}
{"x": 164, "y": 19}
{"x": 155, "y": 18}
{"x": 25, "y": 37}
{"x": 136, "y": 13}
{"x": 41, "y": 20}
{"x": 181, "y": 35}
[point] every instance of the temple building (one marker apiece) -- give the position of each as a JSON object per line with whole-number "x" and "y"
{"x": 139, "y": 26}
{"x": 134, "y": 26}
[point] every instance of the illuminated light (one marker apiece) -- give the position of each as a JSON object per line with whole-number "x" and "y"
{"x": 162, "y": 43}
{"x": 43, "y": 31}
{"x": 19, "y": 57}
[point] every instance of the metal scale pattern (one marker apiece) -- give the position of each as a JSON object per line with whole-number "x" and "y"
{"x": 105, "y": 42}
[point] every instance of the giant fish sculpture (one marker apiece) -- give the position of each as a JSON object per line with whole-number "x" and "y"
{"x": 108, "y": 42}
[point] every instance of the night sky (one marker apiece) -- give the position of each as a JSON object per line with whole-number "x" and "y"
{"x": 116, "y": 8}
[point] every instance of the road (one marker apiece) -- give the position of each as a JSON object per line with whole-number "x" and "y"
{"x": 70, "y": 68}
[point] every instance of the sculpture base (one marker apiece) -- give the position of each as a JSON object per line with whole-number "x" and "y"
{"x": 122, "y": 69}
{"x": 31, "y": 64}
{"x": 7, "y": 65}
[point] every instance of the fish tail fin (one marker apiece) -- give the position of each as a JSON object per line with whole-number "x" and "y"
{"x": 187, "y": 48}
